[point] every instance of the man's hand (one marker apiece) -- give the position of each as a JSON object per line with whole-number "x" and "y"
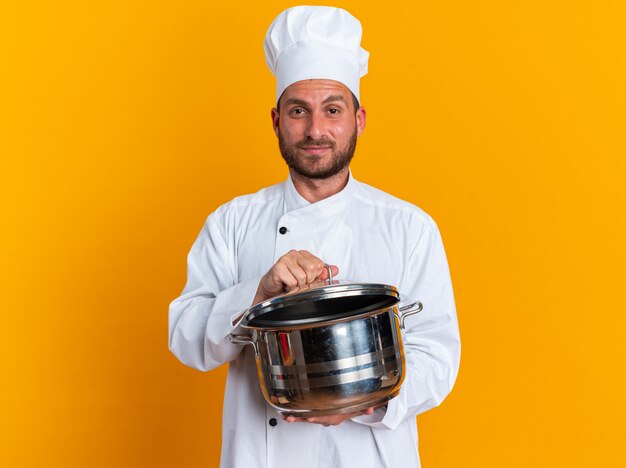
{"x": 332, "y": 420}
{"x": 292, "y": 272}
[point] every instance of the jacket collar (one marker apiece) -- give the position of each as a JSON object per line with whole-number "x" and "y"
{"x": 295, "y": 201}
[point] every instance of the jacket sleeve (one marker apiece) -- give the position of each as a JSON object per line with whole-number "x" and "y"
{"x": 431, "y": 338}
{"x": 200, "y": 319}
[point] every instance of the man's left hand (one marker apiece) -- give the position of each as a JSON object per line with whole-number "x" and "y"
{"x": 332, "y": 420}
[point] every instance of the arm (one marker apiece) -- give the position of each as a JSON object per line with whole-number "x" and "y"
{"x": 431, "y": 338}
{"x": 199, "y": 320}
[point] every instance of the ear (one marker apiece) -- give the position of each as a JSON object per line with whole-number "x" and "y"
{"x": 275, "y": 120}
{"x": 360, "y": 120}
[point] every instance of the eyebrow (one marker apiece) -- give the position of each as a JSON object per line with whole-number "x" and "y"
{"x": 300, "y": 102}
{"x": 335, "y": 97}
{"x": 296, "y": 101}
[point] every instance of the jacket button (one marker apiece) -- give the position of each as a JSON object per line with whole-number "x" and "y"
{"x": 283, "y": 230}
{"x": 273, "y": 422}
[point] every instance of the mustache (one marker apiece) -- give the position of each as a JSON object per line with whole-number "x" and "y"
{"x": 308, "y": 141}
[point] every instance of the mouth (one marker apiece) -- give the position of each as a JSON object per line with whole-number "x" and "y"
{"x": 314, "y": 149}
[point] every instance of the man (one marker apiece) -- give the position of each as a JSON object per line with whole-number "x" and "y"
{"x": 277, "y": 240}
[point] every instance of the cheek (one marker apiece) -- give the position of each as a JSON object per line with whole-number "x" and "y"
{"x": 342, "y": 130}
{"x": 291, "y": 131}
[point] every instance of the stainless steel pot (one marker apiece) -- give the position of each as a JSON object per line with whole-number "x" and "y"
{"x": 331, "y": 349}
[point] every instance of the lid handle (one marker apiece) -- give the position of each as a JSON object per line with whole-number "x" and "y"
{"x": 330, "y": 273}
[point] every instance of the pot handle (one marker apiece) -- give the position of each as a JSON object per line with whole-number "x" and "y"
{"x": 242, "y": 339}
{"x": 407, "y": 310}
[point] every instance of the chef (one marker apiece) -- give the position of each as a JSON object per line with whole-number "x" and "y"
{"x": 278, "y": 239}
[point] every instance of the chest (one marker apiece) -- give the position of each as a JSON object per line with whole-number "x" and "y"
{"x": 362, "y": 245}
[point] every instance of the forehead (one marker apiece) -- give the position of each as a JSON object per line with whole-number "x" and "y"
{"x": 316, "y": 90}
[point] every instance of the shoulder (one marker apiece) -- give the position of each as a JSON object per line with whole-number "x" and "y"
{"x": 390, "y": 205}
{"x": 245, "y": 207}
{"x": 265, "y": 196}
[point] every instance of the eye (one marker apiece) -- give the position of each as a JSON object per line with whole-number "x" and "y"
{"x": 297, "y": 111}
{"x": 334, "y": 111}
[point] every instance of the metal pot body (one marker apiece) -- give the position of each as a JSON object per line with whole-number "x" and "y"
{"x": 333, "y": 367}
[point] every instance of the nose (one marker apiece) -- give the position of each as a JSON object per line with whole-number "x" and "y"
{"x": 315, "y": 128}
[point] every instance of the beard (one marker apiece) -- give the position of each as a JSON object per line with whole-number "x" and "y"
{"x": 311, "y": 166}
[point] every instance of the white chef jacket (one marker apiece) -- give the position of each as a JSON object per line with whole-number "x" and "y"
{"x": 371, "y": 237}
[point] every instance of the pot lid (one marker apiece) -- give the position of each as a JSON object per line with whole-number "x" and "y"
{"x": 319, "y": 303}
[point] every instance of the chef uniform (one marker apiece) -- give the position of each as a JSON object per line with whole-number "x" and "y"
{"x": 370, "y": 235}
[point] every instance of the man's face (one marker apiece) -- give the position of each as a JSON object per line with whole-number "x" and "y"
{"x": 317, "y": 127}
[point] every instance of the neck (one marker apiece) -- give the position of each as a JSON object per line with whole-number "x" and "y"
{"x": 314, "y": 190}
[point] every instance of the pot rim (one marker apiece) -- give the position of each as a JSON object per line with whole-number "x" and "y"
{"x": 323, "y": 291}
{"x": 324, "y": 323}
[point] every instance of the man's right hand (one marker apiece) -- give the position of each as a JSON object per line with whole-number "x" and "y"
{"x": 293, "y": 271}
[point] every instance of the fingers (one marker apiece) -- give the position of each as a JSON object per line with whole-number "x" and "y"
{"x": 303, "y": 268}
{"x": 292, "y": 272}
{"x": 332, "y": 420}
{"x": 313, "y": 267}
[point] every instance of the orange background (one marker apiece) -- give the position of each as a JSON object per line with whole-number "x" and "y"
{"x": 125, "y": 123}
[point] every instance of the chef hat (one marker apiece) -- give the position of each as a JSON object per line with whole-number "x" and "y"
{"x": 315, "y": 42}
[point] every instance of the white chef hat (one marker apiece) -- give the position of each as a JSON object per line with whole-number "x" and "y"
{"x": 315, "y": 42}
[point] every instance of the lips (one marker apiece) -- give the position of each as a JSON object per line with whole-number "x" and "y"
{"x": 315, "y": 149}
